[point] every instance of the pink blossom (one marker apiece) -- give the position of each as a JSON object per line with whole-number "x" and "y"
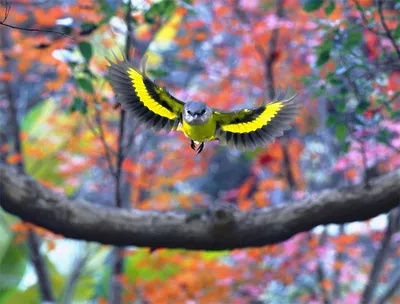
{"x": 352, "y": 298}
{"x": 248, "y": 5}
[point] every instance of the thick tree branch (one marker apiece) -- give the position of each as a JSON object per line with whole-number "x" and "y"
{"x": 219, "y": 228}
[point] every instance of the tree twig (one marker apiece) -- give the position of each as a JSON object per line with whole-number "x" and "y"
{"x": 339, "y": 257}
{"x": 378, "y": 264}
{"x": 15, "y": 27}
{"x": 74, "y": 277}
{"x": 386, "y": 28}
{"x": 116, "y": 287}
{"x": 365, "y": 19}
{"x": 33, "y": 240}
{"x": 321, "y": 277}
{"x": 390, "y": 291}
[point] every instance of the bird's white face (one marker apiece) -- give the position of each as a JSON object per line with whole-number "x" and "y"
{"x": 196, "y": 113}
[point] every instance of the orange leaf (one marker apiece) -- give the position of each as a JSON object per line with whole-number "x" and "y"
{"x": 186, "y": 54}
{"x": 327, "y": 284}
{"x": 51, "y": 245}
{"x": 5, "y": 76}
{"x": 14, "y": 158}
{"x": 245, "y": 204}
{"x": 351, "y": 173}
{"x": 245, "y": 188}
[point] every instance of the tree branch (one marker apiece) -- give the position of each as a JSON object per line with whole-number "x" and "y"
{"x": 386, "y": 28}
{"x": 320, "y": 273}
{"x": 390, "y": 291}
{"x": 7, "y": 13}
{"x": 74, "y": 277}
{"x": 378, "y": 264}
{"x": 339, "y": 257}
{"x": 216, "y": 229}
{"x": 116, "y": 286}
{"x": 33, "y": 240}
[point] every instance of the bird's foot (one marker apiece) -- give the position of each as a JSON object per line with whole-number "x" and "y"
{"x": 200, "y": 148}
{"x": 192, "y": 145}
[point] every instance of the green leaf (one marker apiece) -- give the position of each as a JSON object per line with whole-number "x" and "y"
{"x": 323, "y": 57}
{"x": 12, "y": 267}
{"x": 331, "y": 120}
{"x": 345, "y": 147}
{"x": 157, "y": 72}
{"x": 162, "y": 9}
{"x": 341, "y": 131}
{"x": 341, "y": 106}
{"x": 362, "y": 107}
{"x": 85, "y": 85}
{"x": 312, "y": 5}
{"x": 330, "y": 8}
{"x": 78, "y": 105}
{"x": 384, "y": 136}
{"x": 88, "y": 28}
{"x": 324, "y": 52}
{"x": 86, "y": 50}
{"x": 85, "y": 289}
{"x": 15, "y": 295}
{"x": 396, "y": 33}
{"x": 334, "y": 79}
{"x": 353, "y": 39}
{"x": 88, "y": 72}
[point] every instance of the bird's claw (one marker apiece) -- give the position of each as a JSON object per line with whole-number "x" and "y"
{"x": 200, "y": 148}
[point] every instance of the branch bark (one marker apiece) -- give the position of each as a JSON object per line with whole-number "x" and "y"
{"x": 218, "y": 228}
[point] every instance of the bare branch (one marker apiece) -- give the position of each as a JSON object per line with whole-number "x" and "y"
{"x": 15, "y": 27}
{"x": 108, "y": 151}
{"x": 74, "y": 277}
{"x": 33, "y": 240}
{"x": 116, "y": 287}
{"x": 390, "y": 291}
{"x": 321, "y": 276}
{"x": 365, "y": 19}
{"x": 379, "y": 262}
{"x": 38, "y": 262}
{"x": 386, "y": 28}
{"x": 339, "y": 257}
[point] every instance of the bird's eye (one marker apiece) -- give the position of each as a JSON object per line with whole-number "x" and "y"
{"x": 202, "y": 112}
{"x": 189, "y": 112}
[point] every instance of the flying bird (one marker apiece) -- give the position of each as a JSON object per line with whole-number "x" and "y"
{"x": 155, "y": 108}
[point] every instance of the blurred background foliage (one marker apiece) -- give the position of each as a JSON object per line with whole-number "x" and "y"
{"x": 343, "y": 59}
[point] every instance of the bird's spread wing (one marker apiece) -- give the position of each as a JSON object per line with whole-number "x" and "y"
{"x": 249, "y": 128}
{"x": 149, "y": 104}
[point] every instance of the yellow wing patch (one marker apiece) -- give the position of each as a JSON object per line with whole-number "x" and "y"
{"x": 145, "y": 97}
{"x": 266, "y": 116}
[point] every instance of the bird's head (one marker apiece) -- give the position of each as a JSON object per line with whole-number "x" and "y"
{"x": 196, "y": 113}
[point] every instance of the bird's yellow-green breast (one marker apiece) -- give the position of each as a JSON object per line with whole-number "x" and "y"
{"x": 200, "y": 133}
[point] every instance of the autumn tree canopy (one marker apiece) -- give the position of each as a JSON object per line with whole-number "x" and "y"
{"x": 78, "y": 175}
